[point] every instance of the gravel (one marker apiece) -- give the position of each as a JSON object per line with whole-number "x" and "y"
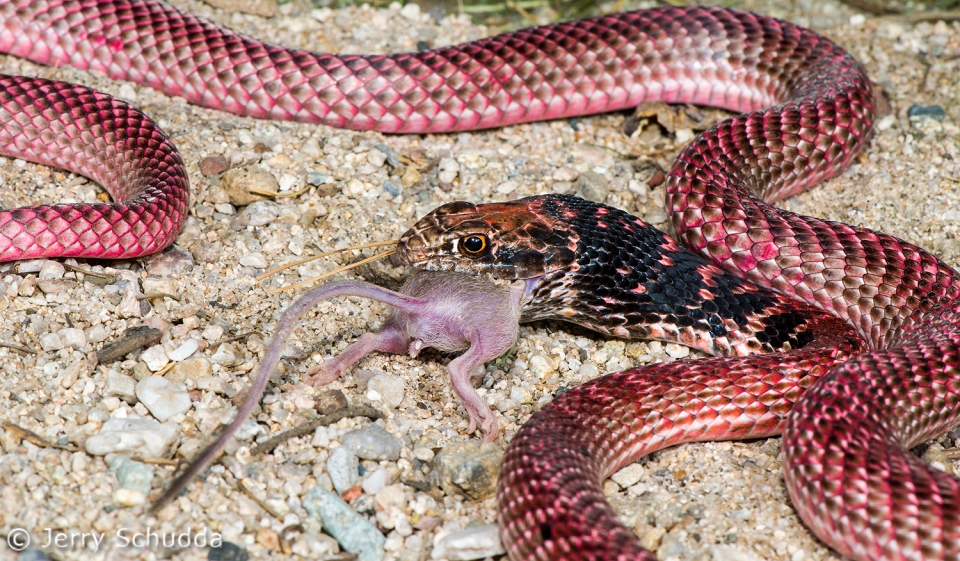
{"x": 698, "y": 501}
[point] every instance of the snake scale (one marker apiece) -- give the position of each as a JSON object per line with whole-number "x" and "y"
{"x": 843, "y": 339}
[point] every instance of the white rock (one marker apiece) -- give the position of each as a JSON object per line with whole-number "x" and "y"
{"x": 129, "y": 497}
{"x": 212, "y": 383}
{"x": 254, "y": 260}
{"x": 73, "y": 338}
{"x": 212, "y": 333}
{"x": 477, "y": 542}
{"x": 311, "y": 148}
{"x": 184, "y": 351}
{"x": 376, "y": 158}
{"x": 163, "y": 398}
{"x": 410, "y": 11}
{"x": 50, "y": 342}
{"x": 155, "y": 357}
{"x": 565, "y": 173}
{"x": 130, "y": 304}
{"x": 389, "y": 388}
{"x": 32, "y": 266}
{"x": 287, "y": 181}
{"x": 224, "y": 355}
{"x": 96, "y": 334}
{"x": 628, "y": 476}
{"x": 375, "y": 481}
{"x": 51, "y": 270}
{"x": 142, "y": 438}
{"x": 677, "y": 351}
{"x": 507, "y": 187}
{"x": 121, "y": 385}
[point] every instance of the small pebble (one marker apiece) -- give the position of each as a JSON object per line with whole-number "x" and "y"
{"x": 96, "y": 334}
{"x": 212, "y": 384}
{"x": 592, "y": 186}
{"x": 389, "y": 388}
{"x": 240, "y": 184}
{"x": 328, "y": 401}
{"x": 316, "y": 178}
{"x": 343, "y": 469}
{"x": 507, "y": 187}
{"x": 190, "y": 369}
{"x": 160, "y": 287}
{"x": 391, "y": 156}
{"x": 565, "y": 173}
{"x": 469, "y": 468}
{"x": 224, "y": 355}
{"x": 50, "y": 342}
{"x": 51, "y": 270}
{"x": 155, "y": 358}
{"x": 375, "y": 481}
{"x": 163, "y": 398}
{"x": 934, "y": 112}
{"x": 172, "y": 262}
{"x": 628, "y": 476}
{"x": 477, "y": 542}
{"x": 352, "y": 531}
{"x": 184, "y": 351}
{"x": 256, "y": 260}
{"x": 212, "y": 165}
{"x": 142, "y": 438}
{"x": 311, "y": 148}
{"x": 676, "y": 350}
{"x": 132, "y": 474}
{"x": 311, "y": 546}
{"x": 372, "y": 443}
{"x": 120, "y": 385}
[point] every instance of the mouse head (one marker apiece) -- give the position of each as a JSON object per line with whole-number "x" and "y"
{"x": 515, "y": 240}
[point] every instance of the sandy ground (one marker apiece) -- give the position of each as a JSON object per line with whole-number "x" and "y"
{"x": 720, "y": 501}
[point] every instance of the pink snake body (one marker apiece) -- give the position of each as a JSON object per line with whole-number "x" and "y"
{"x": 846, "y": 468}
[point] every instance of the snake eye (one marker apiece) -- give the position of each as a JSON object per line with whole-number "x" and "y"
{"x": 473, "y": 245}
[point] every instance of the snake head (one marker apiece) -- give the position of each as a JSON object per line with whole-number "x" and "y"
{"x": 507, "y": 241}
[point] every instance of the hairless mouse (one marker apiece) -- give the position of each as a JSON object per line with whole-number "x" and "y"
{"x": 446, "y": 311}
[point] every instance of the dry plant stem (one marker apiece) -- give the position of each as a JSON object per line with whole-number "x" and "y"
{"x": 331, "y": 273}
{"x": 349, "y": 411}
{"x": 284, "y": 330}
{"x": 272, "y": 272}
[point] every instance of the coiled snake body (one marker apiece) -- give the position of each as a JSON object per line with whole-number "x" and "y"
{"x": 764, "y": 280}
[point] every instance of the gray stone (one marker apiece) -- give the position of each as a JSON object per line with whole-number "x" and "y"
{"x": 593, "y": 186}
{"x": 343, "y": 468}
{"x": 170, "y": 262}
{"x": 372, "y": 443}
{"x": 351, "y": 530}
{"x": 132, "y": 474}
{"x": 469, "y": 468}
